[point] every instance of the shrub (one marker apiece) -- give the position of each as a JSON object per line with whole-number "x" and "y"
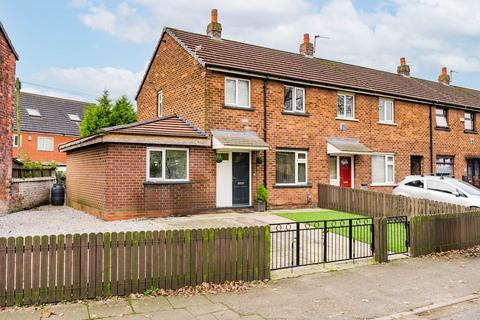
{"x": 262, "y": 194}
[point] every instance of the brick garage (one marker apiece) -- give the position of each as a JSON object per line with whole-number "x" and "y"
{"x": 107, "y": 173}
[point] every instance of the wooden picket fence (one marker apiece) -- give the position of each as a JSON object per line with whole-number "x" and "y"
{"x": 378, "y": 204}
{"x": 435, "y": 233}
{"x": 69, "y": 267}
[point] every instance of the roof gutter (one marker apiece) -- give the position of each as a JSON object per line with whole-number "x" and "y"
{"x": 333, "y": 87}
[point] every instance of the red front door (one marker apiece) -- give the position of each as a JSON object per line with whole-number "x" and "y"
{"x": 345, "y": 172}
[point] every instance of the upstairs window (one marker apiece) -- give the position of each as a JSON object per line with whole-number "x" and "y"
{"x": 74, "y": 117}
{"x": 15, "y": 140}
{"x": 45, "y": 144}
{"x": 291, "y": 167}
{"x": 346, "y": 105}
{"x": 33, "y": 112}
{"x": 385, "y": 111}
{"x": 441, "y": 118}
{"x": 294, "y": 99}
{"x": 469, "y": 121}
{"x": 160, "y": 103}
{"x": 237, "y": 92}
{"x": 167, "y": 164}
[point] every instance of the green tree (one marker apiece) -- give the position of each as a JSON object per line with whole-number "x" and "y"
{"x": 122, "y": 112}
{"x": 104, "y": 114}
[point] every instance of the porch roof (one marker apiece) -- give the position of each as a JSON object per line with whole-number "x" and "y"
{"x": 346, "y": 146}
{"x": 230, "y": 140}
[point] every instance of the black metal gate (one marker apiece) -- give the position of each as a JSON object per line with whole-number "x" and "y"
{"x": 398, "y": 235}
{"x": 298, "y": 244}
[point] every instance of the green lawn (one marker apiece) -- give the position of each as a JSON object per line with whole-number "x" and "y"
{"x": 396, "y": 232}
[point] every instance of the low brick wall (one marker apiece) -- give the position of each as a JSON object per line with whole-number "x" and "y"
{"x": 30, "y": 192}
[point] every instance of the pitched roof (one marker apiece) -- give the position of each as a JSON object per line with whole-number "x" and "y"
{"x": 2, "y": 29}
{"x": 172, "y": 130}
{"x": 53, "y": 114}
{"x": 171, "y": 125}
{"x": 233, "y": 55}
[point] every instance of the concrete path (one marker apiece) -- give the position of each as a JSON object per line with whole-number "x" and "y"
{"x": 365, "y": 292}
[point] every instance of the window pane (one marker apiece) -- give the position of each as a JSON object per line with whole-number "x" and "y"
{"x": 381, "y": 110}
{"x": 389, "y": 111}
{"x": 378, "y": 169}
{"x": 285, "y": 167}
{"x": 349, "y": 106}
{"x": 444, "y": 165}
{"x": 441, "y": 118}
{"x": 156, "y": 164}
{"x": 299, "y": 100}
{"x": 302, "y": 155}
{"x": 390, "y": 177}
{"x": 333, "y": 167}
{"x": 288, "y": 104}
{"x": 302, "y": 172}
{"x": 230, "y": 94}
{"x": 176, "y": 164}
{"x": 341, "y": 106}
{"x": 243, "y": 93}
{"x": 440, "y": 186}
{"x": 468, "y": 121}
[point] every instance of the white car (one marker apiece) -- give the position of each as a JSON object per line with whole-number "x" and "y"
{"x": 442, "y": 189}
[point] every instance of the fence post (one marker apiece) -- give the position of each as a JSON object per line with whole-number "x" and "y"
{"x": 380, "y": 234}
{"x": 298, "y": 244}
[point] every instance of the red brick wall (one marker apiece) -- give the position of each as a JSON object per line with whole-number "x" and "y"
{"x": 182, "y": 80}
{"x": 109, "y": 181}
{"x": 7, "y": 95}
{"x": 30, "y": 147}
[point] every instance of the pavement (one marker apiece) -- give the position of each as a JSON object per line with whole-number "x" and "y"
{"x": 413, "y": 288}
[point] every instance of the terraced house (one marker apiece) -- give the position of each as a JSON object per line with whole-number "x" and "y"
{"x": 256, "y": 115}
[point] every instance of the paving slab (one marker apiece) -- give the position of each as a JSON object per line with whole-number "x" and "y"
{"x": 176, "y": 314}
{"x": 71, "y": 311}
{"x": 150, "y": 304}
{"x": 20, "y": 314}
{"x": 109, "y": 308}
{"x": 226, "y": 315}
{"x": 187, "y": 301}
{"x": 202, "y": 309}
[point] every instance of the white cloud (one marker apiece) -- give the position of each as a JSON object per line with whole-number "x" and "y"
{"x": 427, "y": 32}
{"x": 88, "y": 83}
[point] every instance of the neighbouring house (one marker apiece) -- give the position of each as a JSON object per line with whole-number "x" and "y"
{"x": 45, "y": 123}
{"x": 8, "y": 58}
{"x": 287, "y": 120}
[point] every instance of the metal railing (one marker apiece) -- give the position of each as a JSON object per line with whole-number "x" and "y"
{"x": 398, "y": 235}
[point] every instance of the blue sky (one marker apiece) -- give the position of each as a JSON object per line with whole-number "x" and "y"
{"x": 78, "y": 48}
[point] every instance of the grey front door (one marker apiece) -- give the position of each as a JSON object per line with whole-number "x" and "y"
{"x": 241, "y": 178}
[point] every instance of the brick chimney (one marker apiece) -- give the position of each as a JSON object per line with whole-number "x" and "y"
{"x": 403, "y": 69}
{"x": 214, "y": 29}
{"x": 444, "y": 77}
{"x": 306, "y": 48}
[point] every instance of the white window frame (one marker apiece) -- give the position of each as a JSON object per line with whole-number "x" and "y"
{"x": 297, "y": 161}
{"x": 33, "y": 112}
{"x": 384, "y": 101}
{"x": 164, "y": 164}
{"x": 294, "y": 100}
{"x": 344, "y": 116}
{"x": 74, "y": 117}
{"x": 236, "y": 93}
{"x": 41, "y": 145}
{"x": 472, "y": 120}
{"x": 387, "y": 164}
{"x": 445, "y": 110}
{"x": 15, "y": 145}
{"x": 160, "y": 103}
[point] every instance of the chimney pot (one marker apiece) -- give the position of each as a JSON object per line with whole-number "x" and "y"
{"x": 214, "y": 29}
{"x": 444, "y": 77}
{"x": 306, "y": 47}
{"x": 403, "y": 69}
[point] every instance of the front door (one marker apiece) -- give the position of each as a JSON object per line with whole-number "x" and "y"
{"x": 416, "y": 165}
{"x": 345, "y": 172}
{"x": 240, "y": 178}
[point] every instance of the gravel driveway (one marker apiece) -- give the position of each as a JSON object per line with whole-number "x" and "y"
{"x": 48, "y": 220}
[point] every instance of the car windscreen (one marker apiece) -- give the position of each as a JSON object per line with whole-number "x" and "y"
{"x": 468, "y": 188}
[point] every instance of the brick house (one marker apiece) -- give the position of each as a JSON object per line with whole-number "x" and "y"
{"x": 287, "y": 120}
{"x": 8, "y": 58}
{"x": 46, "y": 122}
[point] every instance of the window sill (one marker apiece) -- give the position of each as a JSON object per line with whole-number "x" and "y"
{"x": 387, "y": 123}
{"x": 442, "y": 128}
{"x": 151, "y": 182}
{"x": 281, "y": 186}
{"x": 382, "y": 184}
{"x": 347, "y": 119}
{"x": 471, "y": 131}
{"x": 239, "y": 108}
{"x": 298, "y": 114}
